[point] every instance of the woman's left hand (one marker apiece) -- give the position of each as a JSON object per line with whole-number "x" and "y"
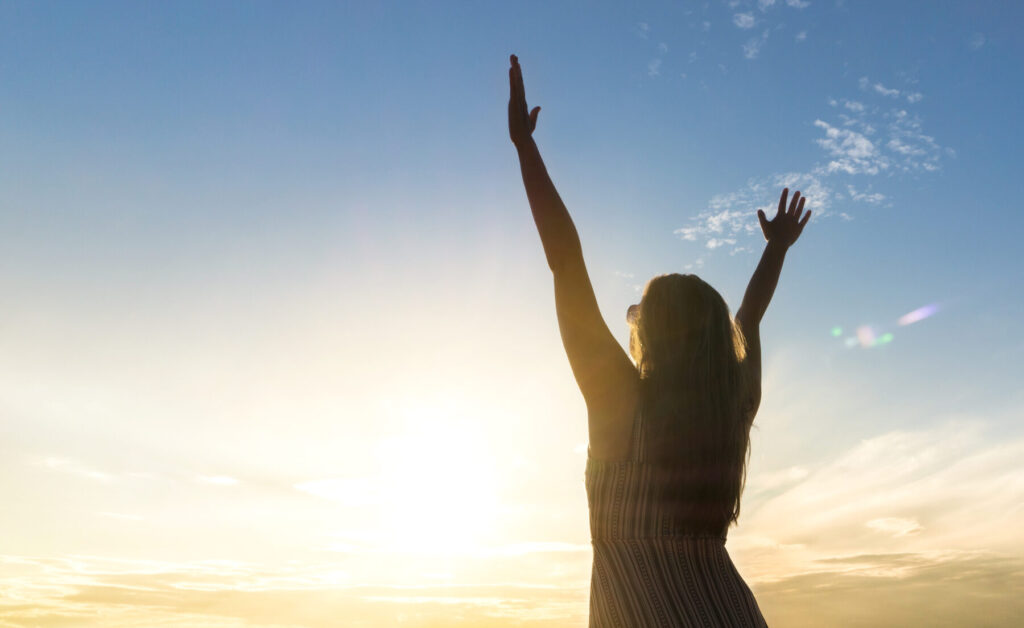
{"x": 788, "y": 224}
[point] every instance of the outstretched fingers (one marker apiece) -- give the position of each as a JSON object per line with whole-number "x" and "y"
{"x": 800, "y": 208}
{"x": 782, "y": 202}
{"x": 515, "y": 75}
{"x": 793, "y": 204}
{"x": 513, "y": 84}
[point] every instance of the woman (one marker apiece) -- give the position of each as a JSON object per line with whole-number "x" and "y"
{"x": 669, "y": 435}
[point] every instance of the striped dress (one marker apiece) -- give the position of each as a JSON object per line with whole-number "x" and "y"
{"x": 647, "y": 573}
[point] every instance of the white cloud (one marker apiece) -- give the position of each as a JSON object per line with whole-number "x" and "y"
{"x": 798, "y": 4}
{"x": 802, "y": 35}
{"x": 904, "y": 149}
{"x": 654, "y": 67}
{"x": 743, "y": 20}
{"x": 977, "y": 41}
{"x": 643, "y": 29}
{"x": 714, "y": 243}
{"x": 895, "y": 526}
{"x": 941, "y": 488}
{"x": 913, "y": 97}
{"x": 868, "y": 197}
{"x": 853, "y": 153}
{"x": 689, "y": 233}
{"x": 885, "y": 91}
{"x": 866, "y": 141}
{"x": 729, "y": 216}
{"x": 753, "y": 46}
{"x": 773, "y": 480}
{"x": 71, "y": 467}
{"x": 662, "y": 47}
{"x": 764, "y": 4}
{"x": 705, "y": 26}
{"x": 916, "y": 150}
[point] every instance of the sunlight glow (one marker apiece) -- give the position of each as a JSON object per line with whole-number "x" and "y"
{"x": 434, "y": 492}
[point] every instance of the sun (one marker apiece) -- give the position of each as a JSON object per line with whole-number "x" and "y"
{"x": 440, "y": 492}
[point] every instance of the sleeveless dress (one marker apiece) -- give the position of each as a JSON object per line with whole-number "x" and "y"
{"x": 647, "y": 572}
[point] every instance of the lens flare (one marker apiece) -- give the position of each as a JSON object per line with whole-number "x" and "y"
{"x": 865, "y": 336}
{"x": 837, "y": 331}
{"x": 919, "y": 314}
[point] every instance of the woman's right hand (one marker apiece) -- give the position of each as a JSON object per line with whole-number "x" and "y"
{"x": 788, "y": 224}
{"x": 521, "y": 122}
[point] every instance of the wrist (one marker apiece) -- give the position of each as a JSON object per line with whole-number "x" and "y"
{"x": 525, "y": 144}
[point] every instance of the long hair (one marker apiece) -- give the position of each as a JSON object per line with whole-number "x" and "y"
{"x": 689, "y": 352}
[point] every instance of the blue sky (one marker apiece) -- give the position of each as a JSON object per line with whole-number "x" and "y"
{"x": 253, "y": 252}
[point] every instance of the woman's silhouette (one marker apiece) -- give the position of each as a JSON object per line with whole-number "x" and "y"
{"x": 670, "y": 433}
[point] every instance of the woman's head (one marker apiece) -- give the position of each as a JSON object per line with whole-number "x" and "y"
{"x": 681, "y": 318}
{"x": 689, "y": 353}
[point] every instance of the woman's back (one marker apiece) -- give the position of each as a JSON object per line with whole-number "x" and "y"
{"x": 652, "y": 568}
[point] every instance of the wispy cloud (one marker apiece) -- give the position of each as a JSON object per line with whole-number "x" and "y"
{"x": 903, "y": 518}
{"x": 873, "y": 198}
{"x": 743, "y": 20}
{"x": 65, "y": 465}
{"x": 654, "y": 67}
{"x": 896, "y": 526}
{"x": 729, "y": 216}
{"x": 752, "y": 48}
{"x": 860, "y": 139}
{"x": 935, "y": 489}
{"x": 976, "y": 41}
{"x": 899, "y": 589}
{"x": 852, "y": 152}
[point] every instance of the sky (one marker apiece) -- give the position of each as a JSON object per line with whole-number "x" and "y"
{"x": 278, "y": 343}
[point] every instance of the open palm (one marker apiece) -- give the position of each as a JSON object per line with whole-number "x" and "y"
{"x": 521, "y": 121}
{"x": 788, "y": 224}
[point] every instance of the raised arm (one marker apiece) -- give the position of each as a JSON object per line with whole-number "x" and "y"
{"x": 780, "y": 232}
{"x": 557, "y": 231}
{"x": 605, "y": 374}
